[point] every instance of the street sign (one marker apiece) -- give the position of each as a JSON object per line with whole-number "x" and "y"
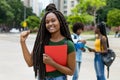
{"x": 24, "y": 24}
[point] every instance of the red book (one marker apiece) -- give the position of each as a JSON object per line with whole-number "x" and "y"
{"x": 58, "y": 53}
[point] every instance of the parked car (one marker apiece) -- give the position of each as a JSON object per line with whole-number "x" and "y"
{"x": 14, "y": 30}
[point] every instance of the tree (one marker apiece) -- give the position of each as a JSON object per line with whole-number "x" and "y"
{"x": 96, "y": 5}
{"x": 32, "y": 22}
{"x": 84, "y": 18}
{"x": 42, "y": 14}
{"x": 6, "y": 14}
{"x": 12, "y": 13}
{"x": 113, "y": 4}
{"x": 110, "y": 4}
{"x": 18, "y": 11}
{"x": 113, "y": 18}
{"x": 74, "y": 18}
{"x": 102, "y": 14}
{"x": 89, "y": 7}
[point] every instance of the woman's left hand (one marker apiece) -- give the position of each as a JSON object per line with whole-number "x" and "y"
{"x": 47, "y": 59}
{"x": 91, "y": 50}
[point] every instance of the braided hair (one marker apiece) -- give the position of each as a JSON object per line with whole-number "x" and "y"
{"x": 101, "y": 26}
{"x": 43, "y": 37}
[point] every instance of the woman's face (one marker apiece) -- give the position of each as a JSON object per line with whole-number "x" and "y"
{"x": 52, "y": 23}
{"x": 79, "y": 31}
{"x": 97, "y": 30}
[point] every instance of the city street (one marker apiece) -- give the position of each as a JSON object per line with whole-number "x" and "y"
{"x": 13, "y": 66}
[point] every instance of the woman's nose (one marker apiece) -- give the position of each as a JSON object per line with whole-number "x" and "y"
{"x": 50, "y": 23}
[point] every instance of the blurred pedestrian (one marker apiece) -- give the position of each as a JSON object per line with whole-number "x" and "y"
{"x": 79, "y": 45}
{"x": 101, "y": 45}
{"x": 116, "y": 32}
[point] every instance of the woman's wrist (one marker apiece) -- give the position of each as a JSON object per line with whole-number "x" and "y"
{"x": 53, "y": 63}
{"x": 21, "y": 41}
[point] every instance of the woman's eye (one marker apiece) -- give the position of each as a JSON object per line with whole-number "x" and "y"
{"x": 53, "y": 20}
{"x": 47, "y": 22}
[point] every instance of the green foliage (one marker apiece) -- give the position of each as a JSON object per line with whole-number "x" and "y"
{"x": 33, "y": 22}
{"x": 87, "y": 10}
{"x": 110, "y": 4}
{"x": 42, "y": 14}
{"x": 5, "y": 12}
{"x": 18, "y": 10}
{"x": 12, "y": 12}
{"x": 113, "y": 4}
{"x": 75, "y": 18}
{"x": 96, "y": 4}
{"x": 102, "y": 14}
{"x": 88, "y": 19}
{"x": 81, "y": 7}
{"x": 113, "y": 17}
{"x": 88, "y": 6}
{"x": 84, "y": 18}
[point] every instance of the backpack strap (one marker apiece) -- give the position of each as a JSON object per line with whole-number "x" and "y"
{"x": 100, "y": 43}
{"x": 108, "y": 68}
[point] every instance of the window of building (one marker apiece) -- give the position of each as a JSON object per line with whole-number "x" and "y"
{"x": 65, "y": 12}
{"x": 65, "y": 1}
{"x": 65, "y": 7}
{"x": 72, "y": 3}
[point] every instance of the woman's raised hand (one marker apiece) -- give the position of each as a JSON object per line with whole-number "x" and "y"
{"x": 24, "y": 35}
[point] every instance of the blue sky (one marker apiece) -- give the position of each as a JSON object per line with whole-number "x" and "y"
{"x": 45, "y": 2}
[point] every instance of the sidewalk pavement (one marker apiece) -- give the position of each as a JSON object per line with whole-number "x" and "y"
{"x": 13, "y": 66}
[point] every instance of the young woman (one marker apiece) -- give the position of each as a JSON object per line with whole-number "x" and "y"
{"x": 101, "y": 45}
{"x": 79, "y": 45}
{"x": 53, "y": 31}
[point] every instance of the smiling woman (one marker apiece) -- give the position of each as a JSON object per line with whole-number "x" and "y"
{"x": 53, "y": 32}
{"x": 52, "y": 23}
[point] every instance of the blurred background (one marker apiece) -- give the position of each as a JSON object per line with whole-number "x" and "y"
{"x": 19, "y": 15}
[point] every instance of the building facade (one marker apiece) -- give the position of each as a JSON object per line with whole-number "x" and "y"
{"x": 67, "y": 5}
{"x": 36, "y": 5}
{"x": 64, "y": 6}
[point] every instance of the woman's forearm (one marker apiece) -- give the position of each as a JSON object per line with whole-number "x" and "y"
{"x": 102, "y": 52}
{"x": 69, "y": 69}
{"x": 26, "y": 54}
{"x": 63, "y": 69}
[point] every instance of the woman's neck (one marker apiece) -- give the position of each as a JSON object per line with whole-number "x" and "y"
{"x": 98, "y": 35}
{"x": 56, "y": 37}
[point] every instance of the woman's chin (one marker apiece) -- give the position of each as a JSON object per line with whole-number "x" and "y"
{"x": 51, "y": 32}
